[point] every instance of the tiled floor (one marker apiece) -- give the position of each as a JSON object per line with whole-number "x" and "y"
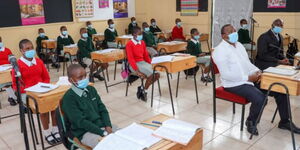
{"x": 224, "y": 134}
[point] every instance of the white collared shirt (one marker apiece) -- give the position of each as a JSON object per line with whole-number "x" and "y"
{"x": 135, "y": 42}
{"x": 62, "y": 36}
{"x": 195, "y": 41}
{"x": 276, "y": 35}
{"x": 111, "y": 29}
{"x": 233, "y": 64}
{"x": 2, "y": 49}
{"x": 27, "y": 62}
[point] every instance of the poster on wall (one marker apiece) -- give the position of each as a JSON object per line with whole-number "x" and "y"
{"x": 103, "y": 3}
{"x": 189, "y": 7}
{"x": 120, "y": 8}
{"x": 32, "y": 12}
{"x": 277, "y": 3}
{"x": 84, "y": 8}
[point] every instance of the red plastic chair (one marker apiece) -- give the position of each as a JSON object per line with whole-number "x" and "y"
{"x": 220, "y": 93}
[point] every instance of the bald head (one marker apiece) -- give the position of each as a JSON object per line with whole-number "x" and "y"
{"x": 278, "y": 23}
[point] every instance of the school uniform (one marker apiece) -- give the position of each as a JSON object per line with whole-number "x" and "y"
{"x": 194, "y": 48}
{"x": 177, "y": 34}
{"x": 138, "y": 57}
{"x": 85, "y": 47}
{"x": 131, "y": 26}
{"x": 91, "y": 31}
{"x": 86, "y": 113}
{"x": 110, "y": 37}
{"x": 63, "y": 41}
{"x": 39, "y": 47}
{"x": 154, "y": 29}
{"x": 149, "y": 39}
{"x": 244, "y": 38}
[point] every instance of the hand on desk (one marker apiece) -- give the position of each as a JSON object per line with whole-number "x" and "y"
{"x": 284, "y": 61}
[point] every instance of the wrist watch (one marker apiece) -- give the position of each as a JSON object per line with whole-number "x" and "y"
{"x": 105, "y": 133}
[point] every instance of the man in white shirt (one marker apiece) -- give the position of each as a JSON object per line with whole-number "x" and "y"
{"x": 240, "y": 77}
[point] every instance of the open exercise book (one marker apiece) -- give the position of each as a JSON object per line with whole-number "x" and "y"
{"x": 42, "y": 87}
{"x": 133, "y": 137}
{"x": 176, "y": 131}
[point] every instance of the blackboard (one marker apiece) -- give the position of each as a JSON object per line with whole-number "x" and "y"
{"x": 55, "y": 11}
{"x": 203, "y": 5}
{"x": 262, "y": 6}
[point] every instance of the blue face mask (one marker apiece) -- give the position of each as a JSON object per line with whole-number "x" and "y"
{"x": 64, "y": 32}
{"x": 42, "y": 35}
{"x": 30, "y": 53}
{"x": 1, "y": 45}
{"x": 139, "y": 37}
{"x": 179, "y": 24}
{"x": 277, "y": 29}
{"x": 134, "y": 22}
{"x": 112, "y": 26}
{"x": 83, "y": 83}
{"x": 85, "y": 35}
{"x": 147, "y": 29}
{"x": 153, "y": 23}
{"x": 197, "y": 37}
{"x": 90, "y": 26}
{"x": 233, "y": 37}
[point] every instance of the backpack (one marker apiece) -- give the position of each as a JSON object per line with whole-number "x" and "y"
{"x": 126, "y": 73}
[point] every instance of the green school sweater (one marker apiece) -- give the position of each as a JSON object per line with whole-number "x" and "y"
{"x": 91, "y": 31}
{"x": 244, "y": 36}
{"x": 130, "y": 27}
{"x": 194, "y": 49}
{"x": 85, "y": 112}
{"x": 85, "y": 47}
{"x": 39, "y": 43}
{"x": 149, "y": 39}
{"x": 61, "y": 42}
{"x": 110, "y": 36}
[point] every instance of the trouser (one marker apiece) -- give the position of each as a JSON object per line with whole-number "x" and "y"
{"x": 257, "y": 96}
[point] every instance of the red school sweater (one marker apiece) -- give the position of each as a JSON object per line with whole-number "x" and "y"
{"x": 136, "y": 53}
{"x": 32, "y": 75}
{"x": 177, "y": 33}
{"x": 4, "y": 56}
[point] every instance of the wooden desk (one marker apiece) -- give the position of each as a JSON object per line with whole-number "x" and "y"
{"x": 72, "y": 50}
{"x": 98, "y": 37}
{"x": 123, "y": 39}
{"x": 165, "y": 35}
{"x": 5, "y": 76}
{"x": 178, "y": 64}
{"x": 290, "y": 81}
{"x": 171, "y": 47}
{"x": 195, "y": 144}
{"x": 49, "y": 44}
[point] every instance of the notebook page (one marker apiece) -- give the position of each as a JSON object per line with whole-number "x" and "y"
{"x": 139, "y": 134}
{"x": 178, "y": 136}
{"x": 42, "y": 87}
{"x": 161, "y": 59}
{"x": 180, "y": 125}
{"x": 115, "y": 142}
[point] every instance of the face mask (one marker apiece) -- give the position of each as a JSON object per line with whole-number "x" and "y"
{"x": 277, "y": 29}
{"x": 85, "y": 35}
{"x": 147, "y": 29}
{"x": 90, "y": 26}
{"x": 65, "y": 32}
{"x": 139, "y": 37}
{"x": 83, "y": 83}
{"x": 134, "y": 22}
{"x": 112, "y": 26}
{"x": 1, "y": 45}
{"x": 42, "y": 34}
{"x": 179, "y": 24}
{"x": 153, "y": 23}
{"x": 30, "y": 53}
{"x": 233, "y": 37}
{"x": 197, "y": 37}
{"x": 245, "y": 26}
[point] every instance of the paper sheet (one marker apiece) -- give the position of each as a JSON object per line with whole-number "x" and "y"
{"x": 281, "y": 71}
{"x": 5, "y": 67}
{"x": 63, "y": 81}
{"x": 105, "y": 51}
{"x": 161, "y": 59}
{"x": 42, "y": 87}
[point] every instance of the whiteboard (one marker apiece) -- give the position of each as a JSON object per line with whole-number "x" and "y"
{"x": 107, "y": 13}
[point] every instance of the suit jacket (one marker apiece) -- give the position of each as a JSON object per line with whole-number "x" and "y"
{"x": 268, "y": 56}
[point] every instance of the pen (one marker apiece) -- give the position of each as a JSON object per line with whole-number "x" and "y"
{"x": 43, "y": 86}
{"x": 151, "y": 125}
{"x": 157, "y": 122}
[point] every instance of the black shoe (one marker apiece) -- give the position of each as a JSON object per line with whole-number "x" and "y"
{"x": 55, "y": 65}
{"x": 139, "y": 92}
{"x": 251, "y": 128}
{"x": 50, "y": 142}
{"x": 144, "y": 96}
{"x": 99, "y": 77}
{"x": 286, "y": 126}
{"x": 206, "y": 79}
{"x": 58, "y": 140}
{"x": 12, "y": 102}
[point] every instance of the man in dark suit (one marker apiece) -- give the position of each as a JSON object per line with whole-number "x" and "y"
{"x": 270, "y": 54}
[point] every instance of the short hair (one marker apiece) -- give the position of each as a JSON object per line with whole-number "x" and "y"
{"x": 177, "y": 20}
{"x": 136, "y": 30}
{"x": 152, "y": 20}
{"x": 132, "y": 18}
{"x": 88, "y": 22}
{"x": 194, "y": 30}
{"x": 109, "y": 20}
{"x": 277, "y": 20}
{"x": 71, "y": 68}
{"x": 144, "y": 24}
{"x": 62, "y": 27}
{"x": 40, "y": 29}
{"x": 223, "y": 28}
{"x": 81, "y": 29}
{"x": 22, "y": 42}
{"x": 242, "y": 20}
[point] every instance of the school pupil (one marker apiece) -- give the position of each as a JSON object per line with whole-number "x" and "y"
{"x": 4, "y": 54}
{"x": 85, "y": 47}
{"x": 91, "y": 30}
{"x": 110, "y": 34}
{"x": 194, "y": 48}
{"x": 42, "y": 36}
{"x": 177, "y": 32}
{"x": 33, "y": 71}
{"x": 64, "y": 39}
{"x": 131, "y": 25}
{"x": 154, "y": 28}
{"x": 244, "y": 36}
{"x": 149, "y": 39}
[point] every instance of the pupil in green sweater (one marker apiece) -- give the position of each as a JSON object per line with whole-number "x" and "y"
{"x": 110, "y": 34}
{"x": 150, "y": 41}
{"x": 90, "y": 29}
{"x": 39, "y": 40}
{"x": 244, "y": 37}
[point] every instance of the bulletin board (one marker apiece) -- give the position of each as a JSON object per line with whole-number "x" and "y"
{"x": 84, "y": 8}
{"x": 262, "y": 6}
{"x": 203, "y": 5}
{"x": 108, "y": 12}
